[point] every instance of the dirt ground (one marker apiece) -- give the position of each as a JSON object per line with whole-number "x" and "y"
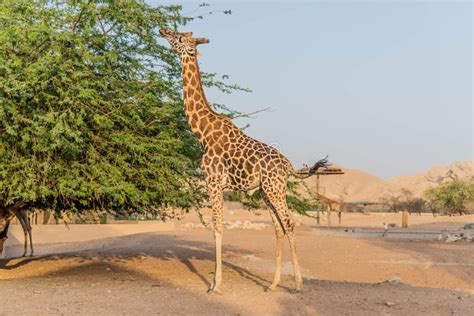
{"x": 168, "y": 272}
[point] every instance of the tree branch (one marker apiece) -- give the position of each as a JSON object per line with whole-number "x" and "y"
{"x": 76, "y": 22}
{"x": 250, "y": 114}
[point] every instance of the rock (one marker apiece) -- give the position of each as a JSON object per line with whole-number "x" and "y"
{"x": 452, "y": 238}
{"x": 389, "y": 304}
{"x": 392, "y": 225}
{"x": 469, "y": 236}
{"x": 469, "y": 226}
{"x": 443, "y": 236}
{"x": 394, "y": 279}
{"x": 466, "y": 236}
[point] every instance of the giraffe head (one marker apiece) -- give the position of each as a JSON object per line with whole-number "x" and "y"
{"x": 183, "y": 43}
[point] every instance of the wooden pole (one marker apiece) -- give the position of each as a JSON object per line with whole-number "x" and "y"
{"x": 317, "y": 183}
{"x": 329, "y": 215}
{"x": 405, "y": 219}
{"x": 317, "y": 191}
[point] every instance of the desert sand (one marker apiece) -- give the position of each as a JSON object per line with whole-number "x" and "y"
{"x": 122, "y": 271}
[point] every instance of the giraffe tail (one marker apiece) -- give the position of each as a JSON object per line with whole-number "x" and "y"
{"x": 308, "y": 172}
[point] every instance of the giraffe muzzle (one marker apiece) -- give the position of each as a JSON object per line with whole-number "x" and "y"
{"x": 201, "y": 40}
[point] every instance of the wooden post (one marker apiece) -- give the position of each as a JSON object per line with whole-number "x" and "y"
{"x": 317, "y": 192}
{"x": 405, "y": 219}
{"x": 317, "y": 183}
{"x": 46, "y": 217}
{"x": 329, "y": 215}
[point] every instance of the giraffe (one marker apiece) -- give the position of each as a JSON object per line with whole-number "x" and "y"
{"x": 233, "y": 160}
{"x": 22, "y": 215}
{"x": 331, "y": 205}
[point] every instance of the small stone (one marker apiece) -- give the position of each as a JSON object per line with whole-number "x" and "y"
{"x": 469, "y": 226}
{"x": 469, "y": 236}
{"x": 452, "y": 238}
{"x": 389, "y": 304}
{"x": 394, "y": 279}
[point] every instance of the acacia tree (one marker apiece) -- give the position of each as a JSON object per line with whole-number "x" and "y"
{"x": 91, "y": 111}
{"x": 452, "y": 196}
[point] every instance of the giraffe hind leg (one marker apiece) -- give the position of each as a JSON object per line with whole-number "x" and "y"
{"x": 284, "y": 218}
{"x": 280, "y": 235}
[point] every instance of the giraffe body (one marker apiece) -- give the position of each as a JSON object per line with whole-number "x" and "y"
{"x": 233, "y": 160}
{"x": 331, "y": 205}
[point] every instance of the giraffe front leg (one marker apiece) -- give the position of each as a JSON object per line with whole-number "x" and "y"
{"x": 24, "y": 226}
{"x": 26, "y": 219}
{"x": 31, "y": 239}
{"x": 217, "y": 207}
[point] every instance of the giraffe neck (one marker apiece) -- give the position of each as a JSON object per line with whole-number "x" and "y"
{"x": 198, "y": 112}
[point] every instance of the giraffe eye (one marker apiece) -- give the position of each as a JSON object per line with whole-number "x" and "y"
{"x": 180, "y": 39}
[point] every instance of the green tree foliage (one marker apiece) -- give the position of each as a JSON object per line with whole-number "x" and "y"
{"x": 452, "y": 197}
{"x": 294, "y": 199}
{"x": 91, "y": 110}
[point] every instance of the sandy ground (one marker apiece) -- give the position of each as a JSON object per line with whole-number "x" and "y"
{"x": 168, "y": 272}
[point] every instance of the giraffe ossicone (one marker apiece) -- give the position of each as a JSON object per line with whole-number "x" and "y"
{"x": 233, "y": 160}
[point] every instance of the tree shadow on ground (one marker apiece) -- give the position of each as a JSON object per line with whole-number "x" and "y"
{"x": 133, "y": 247}
{"x": 104, "y": 288}
{"x": 109, "y": 287}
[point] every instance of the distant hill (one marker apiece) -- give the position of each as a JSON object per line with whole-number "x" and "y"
{"x": 362, "y": 186}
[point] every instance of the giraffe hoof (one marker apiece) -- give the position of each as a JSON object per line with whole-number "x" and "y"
{"x": 295, "y": 291}
{"x": 270, "y": 288}
{"x": 214, "y": 291}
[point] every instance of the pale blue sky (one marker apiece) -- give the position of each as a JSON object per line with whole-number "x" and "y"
{"x": 385, "y": 87}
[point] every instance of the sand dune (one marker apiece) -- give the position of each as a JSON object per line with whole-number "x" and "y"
{"x": 356, "y": 185}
